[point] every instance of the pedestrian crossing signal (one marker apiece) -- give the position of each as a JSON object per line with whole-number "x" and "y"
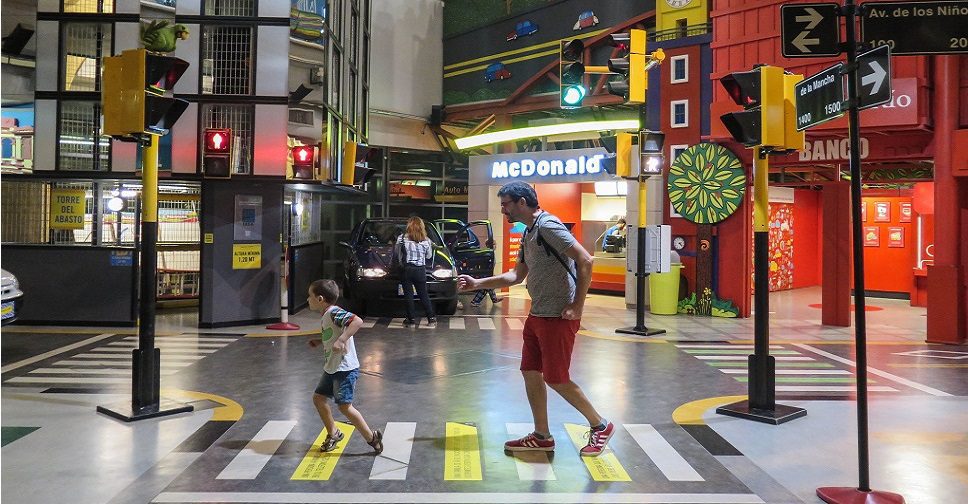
{"x": 217, "y": 153}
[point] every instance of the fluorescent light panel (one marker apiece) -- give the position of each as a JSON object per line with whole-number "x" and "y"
{"x": 541, "y": 131}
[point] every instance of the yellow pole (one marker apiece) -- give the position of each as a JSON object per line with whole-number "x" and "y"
{"x": 641, "y": 201}
{"x": 149, "y": 180}
{"x": 761, "y": 192}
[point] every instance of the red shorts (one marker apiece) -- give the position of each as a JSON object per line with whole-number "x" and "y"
{"x": 547, "y": 347}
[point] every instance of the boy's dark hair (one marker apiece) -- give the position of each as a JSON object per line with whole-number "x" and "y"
{"x": 519, "y": 190}
{"x": 326, "y": 288}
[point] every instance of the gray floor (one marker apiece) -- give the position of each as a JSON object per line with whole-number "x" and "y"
{"x": 254, "y": 429}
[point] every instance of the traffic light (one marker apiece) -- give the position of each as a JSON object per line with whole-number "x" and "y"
{"x": 761, "y": 92}
{"x": 650, "y": 152}
{"x": 633, "y": 82}
{"x": 570, "y": 72}
{"x": 133, "y": 93}
{"x": 303, "y": 161}
{"x": 623, "y": 155}
{"x": 356, "y": 164}
{"x": 217, "y": 153}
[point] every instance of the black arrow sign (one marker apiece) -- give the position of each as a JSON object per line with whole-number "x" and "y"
{"x": 810, "y": 30}
{"x": 874, "y": 73}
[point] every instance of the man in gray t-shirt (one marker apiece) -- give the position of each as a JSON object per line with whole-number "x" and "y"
{"x": 559, "y": 271}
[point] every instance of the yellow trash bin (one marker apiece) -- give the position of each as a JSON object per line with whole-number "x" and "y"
{"x": 664, "y": 291}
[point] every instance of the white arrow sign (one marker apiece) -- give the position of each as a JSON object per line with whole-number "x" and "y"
{"x": 801, "y": 42}
{"x": 876, "y": 77}
{"x": 813, "y": 18}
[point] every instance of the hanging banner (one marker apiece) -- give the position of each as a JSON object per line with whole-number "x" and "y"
{"x": 67, "y": 208}
{"x": 246, "y": 256}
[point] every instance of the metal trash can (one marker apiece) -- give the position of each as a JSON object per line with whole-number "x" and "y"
{"x": 664, "y": 291}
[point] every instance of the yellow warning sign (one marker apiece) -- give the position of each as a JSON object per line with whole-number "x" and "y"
{"x": 246, "y": 255}
{"x": 604, "y": 467}
{"x": 462, "y": 458}
{"x": 318, "y": 465}
{"x": 67, "y": 209}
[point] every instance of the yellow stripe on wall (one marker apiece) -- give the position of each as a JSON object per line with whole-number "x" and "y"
{"x": 604, "y": 467}
{"x": 462, "y": 458}
{"x": 318, "y": 465}
{"x": 513, "y": 60}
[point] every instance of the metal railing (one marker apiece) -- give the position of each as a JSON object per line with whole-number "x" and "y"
{"x": 675, "y": 33}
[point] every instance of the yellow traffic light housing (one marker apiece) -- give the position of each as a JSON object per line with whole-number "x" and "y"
{"x": 623, "y": 155}
{"x": 133, "y": 93}
{"x": 792, "y": 139}
{"x": 633, "y": 84}
{"x": 762, "y": 94}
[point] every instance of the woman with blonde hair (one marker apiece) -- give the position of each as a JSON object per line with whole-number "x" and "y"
{"x": 415, "y": 249}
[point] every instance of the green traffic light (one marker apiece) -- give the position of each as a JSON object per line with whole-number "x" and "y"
{"x": 572, "y": 95}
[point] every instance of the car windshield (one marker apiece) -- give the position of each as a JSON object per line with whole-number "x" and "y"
{"x": 384, "y": 233}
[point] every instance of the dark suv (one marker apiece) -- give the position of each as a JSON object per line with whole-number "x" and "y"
{"x": 370, "y": 282}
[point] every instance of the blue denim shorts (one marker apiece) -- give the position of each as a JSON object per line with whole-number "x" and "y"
{"x": 339, "y": 385}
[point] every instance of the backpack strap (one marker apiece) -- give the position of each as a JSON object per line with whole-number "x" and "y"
{"x": 551, "y": 250}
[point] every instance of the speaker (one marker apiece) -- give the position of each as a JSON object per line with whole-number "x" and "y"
{"x": 437, "y": 115}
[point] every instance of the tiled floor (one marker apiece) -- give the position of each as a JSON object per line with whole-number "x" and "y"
{"x": 447, "y": 399}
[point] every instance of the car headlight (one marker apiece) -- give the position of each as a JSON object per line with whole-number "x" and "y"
{"x": 443, "y": 273}
{"x": 373, "y": 272}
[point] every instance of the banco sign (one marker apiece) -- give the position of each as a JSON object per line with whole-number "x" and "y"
{"x": 547, "y": 168}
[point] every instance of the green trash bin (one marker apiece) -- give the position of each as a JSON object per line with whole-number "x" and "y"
{"x": 664, "y": 291}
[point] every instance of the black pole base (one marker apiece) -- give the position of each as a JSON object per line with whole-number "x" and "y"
{"x": 779, "y": 414}
{"x": 127, "y": 412}
{"x": 640, "y": 331}
{"x": 847, "y": 495}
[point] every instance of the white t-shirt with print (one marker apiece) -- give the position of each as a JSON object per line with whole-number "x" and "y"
{"x": 334, "y": 321}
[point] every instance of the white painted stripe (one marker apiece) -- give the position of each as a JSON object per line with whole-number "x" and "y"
{"x": 515, "y": 324}
{"x": 829, "y": 388}
{"x": 744, "y": 357}
{"x": 253, "y": 458}
{"x": 57, "y": 351}
{"x": 877, "y": 372}
{"x": 433, "y": 498}
{"x": 369, "y": 323}
{"x": 727, "y": 346}
{"x": 163, "y": 348}
{"x": 115, "y": 364}
{"x": 795, "y": 371}
{"x": 396, "y": 323}
{"x": 109, "y": 371}
{"x": 164, "y": 356}
{"x": 665, "y": 457}
{"x": 531, "y": 465}
{"x": 486, "y": 324}
{"x": 200, "y": 339}
{"x": 66, "y": 379}
{"x": 392, "y": 464}
{"x": 169, "y": 344}
{"x": 457, "y": 322}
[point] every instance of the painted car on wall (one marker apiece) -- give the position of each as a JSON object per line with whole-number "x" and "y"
{"x": 523, "y": 29}
{"x": 496, "y": 71}
{"x": 585, "y": 20}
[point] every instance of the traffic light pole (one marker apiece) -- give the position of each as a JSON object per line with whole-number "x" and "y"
{"x": 146, "y": 366}
{"x": 761, "y": 404}
{"x": 863, "y": 492}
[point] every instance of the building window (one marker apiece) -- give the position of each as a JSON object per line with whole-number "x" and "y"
{"x": 680, "y": 113}
{"x": 675, "y": 150}
{"x": 89, "y": 6}
{"x": 682, "y": 26}
{"x": 79, "y": 131}
{"x": 85, "y": 44}
{"x": 337, "y": 80}
{"x": 227, "y": 60}
{"x": 239, "y": 118}
{"x": 680, "y": 69}
{"x": 237, "y": 8}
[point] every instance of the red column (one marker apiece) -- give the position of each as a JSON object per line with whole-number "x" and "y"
{"x": 946, "y": 289}
{"x": 835, "y": 281}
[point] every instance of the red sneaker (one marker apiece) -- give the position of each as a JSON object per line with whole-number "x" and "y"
{"x": 530, "y": 443}
{"x": 597, "y": 439}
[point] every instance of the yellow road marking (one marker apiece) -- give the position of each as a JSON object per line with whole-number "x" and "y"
{"x": 615, "y": 337}
{"x": 691, "y": 413}
{"x": 462, "y": 457}
{"x": 318, "y": 465}
{"x": 604, "y": 467}
{"x": 954, "y": 366}
{"x": 553, "y": 43}
{"x": 229, "y": 411}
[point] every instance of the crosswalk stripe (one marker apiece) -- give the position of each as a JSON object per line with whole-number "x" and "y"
{"x": 462, "y": 455}
{"x": 665, "y": 457}
{"x": 806, "y": 379}
{"x": 114, "y": 364}
{"x": 604, "y": 467}
{"x": 111, "y": 371}
{"x": 47, "y": 355}
{"x": 743, "y": 357}
{"x": 163, "y": 348}
{"x": 730, "y": 351}
{"x": 831, "y": 388}
{"x": 392, "y": 464}
{"x": 515, "y": 324}
{"x": 66, "y": 379}
{"x": 531, "y": 465}
{"x": 369, "y": 323}
{"x": 249, "y": 462}
{"x": 727, "y": 345}
{"x": 396, "y": 323}
{"x": 794, "y": 371}
{"x": 95, "y": 355}
{"x": 442, "y": 497}
{"x": 318, "y": 465}
{"x": 168, "y": 344}
{"x": 486, "y": 324}
{"x": 742, "y": 364}
{"x": 457, "y": 323}
{"x": 180, "y": 339}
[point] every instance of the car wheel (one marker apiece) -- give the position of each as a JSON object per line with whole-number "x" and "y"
{"x": 447, "y": 308}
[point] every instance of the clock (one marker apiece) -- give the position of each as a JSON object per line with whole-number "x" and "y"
{"x": 679, "y": 243}
{"x": 678, "y": 4}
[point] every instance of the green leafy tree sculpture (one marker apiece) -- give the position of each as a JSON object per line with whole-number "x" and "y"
{"x": 706, "y": 185}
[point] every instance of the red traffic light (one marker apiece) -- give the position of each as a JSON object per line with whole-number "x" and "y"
{"x": 218, "y": 140}
{"x": 302, "y": 155}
